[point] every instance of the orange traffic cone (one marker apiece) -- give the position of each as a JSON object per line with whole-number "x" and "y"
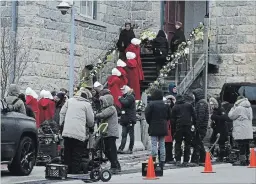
{"x": 151, "y": 175}
{"x": 208, "y": 164}
{"x": 252, "y": 159}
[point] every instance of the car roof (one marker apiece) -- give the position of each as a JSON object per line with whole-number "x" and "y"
{"x": 241, "y": 83}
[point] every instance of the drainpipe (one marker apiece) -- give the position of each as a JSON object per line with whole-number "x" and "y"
{"x": 162, "y": 15}
{"x": 13, "y": 37}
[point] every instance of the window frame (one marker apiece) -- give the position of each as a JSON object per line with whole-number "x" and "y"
{"x": 93, "y": 9}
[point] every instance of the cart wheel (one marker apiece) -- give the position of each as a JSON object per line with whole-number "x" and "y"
{"x": 95, "y": 174}
{"x": 105, "y": 175}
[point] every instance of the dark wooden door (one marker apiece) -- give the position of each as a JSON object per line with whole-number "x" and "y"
{"x": 173, "y": 11}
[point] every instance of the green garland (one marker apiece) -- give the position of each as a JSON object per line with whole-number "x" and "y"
{"x": 197, "y": 34}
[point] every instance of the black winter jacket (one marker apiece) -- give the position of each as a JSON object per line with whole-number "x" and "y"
{"x": 183, "y": 113}
{"x": 177, "y": 39}
{"x": 160, "y": 44}
{"x": 202, "y": 111}
{"x": 128, "y": 111}
{"x": 124, "y": 40}
{"x": 219, "y": 125}
{"x": 157, "y": 115}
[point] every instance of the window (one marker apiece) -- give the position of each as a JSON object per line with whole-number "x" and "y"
{"x": 88, "y": 9}
{"x": 231, "y": 93}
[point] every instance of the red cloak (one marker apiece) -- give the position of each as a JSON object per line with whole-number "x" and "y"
{"x": 46, "y": 109}
{"x": 123, "y": 77}
{"x": 114, "y": 86}
{"x": 32, "y": 102}
{"x": 136, "y": 49}
{"x": 168, "y": 138}
{"x": 133, "y": 77}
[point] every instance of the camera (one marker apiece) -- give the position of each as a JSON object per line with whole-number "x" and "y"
{"x": 64, "y": 7}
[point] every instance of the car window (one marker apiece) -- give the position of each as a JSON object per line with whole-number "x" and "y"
{"x": 231, "y": 92}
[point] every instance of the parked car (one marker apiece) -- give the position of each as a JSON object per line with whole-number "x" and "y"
{"x": 19, "y": 142}
{"x": 230, "y": 92}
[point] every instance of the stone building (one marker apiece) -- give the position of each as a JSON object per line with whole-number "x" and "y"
{"x": 47, "y": 31}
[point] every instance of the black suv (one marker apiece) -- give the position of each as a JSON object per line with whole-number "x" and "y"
{"x": 19, "y": 142}
{"x": 230, "y": 92}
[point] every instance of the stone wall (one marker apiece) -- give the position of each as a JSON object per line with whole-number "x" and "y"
{"x": 42, "y": 27}
{"x": 233, "y": 38}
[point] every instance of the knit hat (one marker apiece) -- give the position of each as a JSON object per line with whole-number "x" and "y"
{"x": 61, "y": 95}
{"x": 178, "y": 23}
{"x": 120, "y": 63}
{"x": 116, "y": 72}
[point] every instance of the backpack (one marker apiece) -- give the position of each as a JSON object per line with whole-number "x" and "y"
{"x": 5, "y": 108}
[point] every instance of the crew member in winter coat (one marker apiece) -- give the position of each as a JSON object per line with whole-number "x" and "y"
{"x": 29, "y": 111}
{"x": 202, "y": 118}
{"x": 172, "y": 89}
{"x": 77, "y": 114}
{"x": 109, "y": 115}
{"x": 219, "y": 124}
{"x": 157, "y": 115}
{"x": 12, "y": 99}
{"x": 114, "y": 85}
{"x": 160, "y": 49}
{"x": 135, "y": 48}
{"x": 124, "y": 40}
{"x": 46, "y": 106}
{"x": 120, "y": 66}
{"x": 128, "y": 118}
{"x": 177, "y": 38}
{"x": 170, "y": 101}
{"x": 31, "y": 100}
{"x": 132, "y": 74}
{"x": 99, "y": 91}
{"x": 60, "y": 101}
{"x": 183, "y": 117}
{"x": 242, "y": 116}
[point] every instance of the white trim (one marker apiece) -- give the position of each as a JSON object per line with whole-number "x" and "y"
{"x": 92, "y": 9}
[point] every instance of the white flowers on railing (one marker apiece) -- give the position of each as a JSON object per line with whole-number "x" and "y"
{"x": 147, "y": 35}
{"x": 197, "y": 34}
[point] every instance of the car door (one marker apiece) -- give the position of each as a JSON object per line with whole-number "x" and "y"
{"x": 9, "y": 136}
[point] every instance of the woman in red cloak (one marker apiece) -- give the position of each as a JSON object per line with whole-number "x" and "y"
{"x": 31, "y": 100}
{"x": 135, "y": 48}
{"x": 120, "y": 66}
{"x": 46, "y": 106}
{"x": 114, "y": 86}
{"x": 132, "y": 74}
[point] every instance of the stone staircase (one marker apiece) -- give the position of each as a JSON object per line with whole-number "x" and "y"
{"x": 149, "y": 69}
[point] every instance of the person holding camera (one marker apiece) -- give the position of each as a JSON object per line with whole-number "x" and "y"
{"x": 128, "y": 117}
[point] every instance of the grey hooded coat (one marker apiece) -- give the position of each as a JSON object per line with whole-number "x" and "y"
{"x": 13, "y": 94}
{"x": 242, "y": 115}
{"x": 109, "y": 115}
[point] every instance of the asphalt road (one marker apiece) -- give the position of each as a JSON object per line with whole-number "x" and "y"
{"x": 225, "y": 173}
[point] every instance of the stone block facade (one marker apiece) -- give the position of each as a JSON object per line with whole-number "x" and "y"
{"x": 43, "y": 28}
{"x": 233, "y": 37}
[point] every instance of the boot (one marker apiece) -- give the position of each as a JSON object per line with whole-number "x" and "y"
{"x": 241, "y": 161}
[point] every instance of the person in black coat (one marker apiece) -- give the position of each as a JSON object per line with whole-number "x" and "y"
{"x": 160, "y": 49}
{"x": 29, "y": 111}
{"x": 219, "y": 125}
{"x": 202, "y": 118}
{"x": 157, "y": 115}
{"x": 183, "y": 117}
{"x": 177, "y": 38}
{"x": 124, "y": 40}
{"x": 128, "y": 118}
